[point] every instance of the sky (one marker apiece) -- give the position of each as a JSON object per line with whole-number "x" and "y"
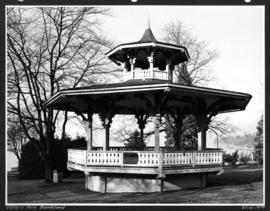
{"x": 236, "y": 32}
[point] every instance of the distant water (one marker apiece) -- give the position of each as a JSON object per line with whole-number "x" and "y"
{"x": 12, "y": 161}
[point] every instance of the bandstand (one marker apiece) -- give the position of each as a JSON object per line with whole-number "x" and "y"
{"x": 147, "y": 91}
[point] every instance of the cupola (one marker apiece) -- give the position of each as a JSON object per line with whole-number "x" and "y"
{"x": 148, "y": 58}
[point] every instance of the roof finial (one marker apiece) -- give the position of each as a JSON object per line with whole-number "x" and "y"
{"x": 148, "y": 21}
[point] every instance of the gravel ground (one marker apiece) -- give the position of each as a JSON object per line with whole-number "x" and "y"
{"x": 234, "y": 186}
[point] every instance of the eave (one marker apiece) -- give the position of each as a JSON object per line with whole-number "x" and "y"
{"x": 238, "y": 100}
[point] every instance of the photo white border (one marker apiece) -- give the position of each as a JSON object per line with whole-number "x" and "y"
{"x": 123, "y": 204}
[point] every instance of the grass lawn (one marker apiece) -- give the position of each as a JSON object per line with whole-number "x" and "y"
{"x": 241, "y": 186}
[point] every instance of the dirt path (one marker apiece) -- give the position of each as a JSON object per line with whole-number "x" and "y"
{"x": 234, "y": 186}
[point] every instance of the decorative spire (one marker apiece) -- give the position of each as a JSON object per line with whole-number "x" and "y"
{"x": 148, "y": 22}
{"x": 148, "y": 34}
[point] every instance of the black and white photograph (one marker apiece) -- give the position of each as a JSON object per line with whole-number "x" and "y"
{"x": 137, "y": 105}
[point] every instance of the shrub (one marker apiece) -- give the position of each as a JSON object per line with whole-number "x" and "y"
{"x": 78, "y": 142}
{"x": 60, "y": 152}
{"x": 31, "y": 165}
{"x": 231, "y": 158}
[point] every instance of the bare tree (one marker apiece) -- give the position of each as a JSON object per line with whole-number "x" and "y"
{"x": 16, "y": 137}
{"x": 49, "y": 49}
{"x": 222, "y": 127}
{"x": 197, "y": 71}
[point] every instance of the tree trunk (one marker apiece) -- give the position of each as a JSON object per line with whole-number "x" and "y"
{"x": 49, "y": 147}
{"x": 48, "y": 161}
{"x": 48, "y": 170}
{"x": 64, "y": 125}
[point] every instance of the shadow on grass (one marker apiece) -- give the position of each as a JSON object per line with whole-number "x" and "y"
{"x": 235, "y": 177}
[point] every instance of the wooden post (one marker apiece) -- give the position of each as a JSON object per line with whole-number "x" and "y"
{"x": 199, "y": 141}
{"x": 90, "y": 132}
{"x": 170, "y": 73}
{"x": 107, "y": 134}
{"x": 86, "y": 180}
{"x": 202, "y": 139}
{"x": 141, "y": 119}
{"x": 106, "y": 119}
{"x": 151, "y": 64}
{"x": 132, "y": 62}
{"x": 157, "y": 125}
{"x": 203, "y": 123}
{"x": 168, "y": 62}
{"x": 193, "y": 159}
{"x": 178, "y": 123}
{"x": 124, "y": 70}
{"x": 160, "y": 163}
{"x": 167, "y": 69}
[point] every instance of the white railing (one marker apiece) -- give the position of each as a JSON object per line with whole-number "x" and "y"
{"x": 158, "y": 74}
{"x": 146, "y": 74}
{"x": 142, "y": 74}
{"x": 178, "y": 158}
{"x": 104, "y": 158}
{"x": 145, "y": 158}
{"x": 208, "y": 158}
{"x": 149, "y": 159}
{"x": 77, "y": 156}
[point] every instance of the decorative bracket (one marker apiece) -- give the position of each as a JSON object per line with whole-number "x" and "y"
{"x": 141, "y": 119}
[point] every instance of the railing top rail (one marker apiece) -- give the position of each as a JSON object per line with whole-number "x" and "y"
{"x": 145, "y": 151}
{"x": 83, "y": 150}
{"x": 122, "y": 151}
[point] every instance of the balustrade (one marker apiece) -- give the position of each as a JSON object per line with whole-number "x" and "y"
{"x": 208, "y": 158}
{"x": 104, "y": 158}
{"x": 158, "y": 74}
{"x": 146, "y": 74}
{"x": 180, "y": 158}
{"x": 145, "y": 158}
{"x": 149, "y": 159}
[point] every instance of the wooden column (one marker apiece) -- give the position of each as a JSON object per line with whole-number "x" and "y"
{"x": 141, "y": 119}
{"x": 89, "y": 130}
{"x": 107, "y": 125}
{"x": 88, "y": 127}
{"x": 157, "y": 125}
{"x": 178, "y": 124}
{"x": 168, "y": 62}
{"x": 170, "y": 73}
{"x": 106, "y": 119}
{"x": 151, "y": 64}
{"x": 204, "y": 139}
{"x": 203, "y": 123}
{"x": 132, "y": 62}
{"x": 124, "y": 67}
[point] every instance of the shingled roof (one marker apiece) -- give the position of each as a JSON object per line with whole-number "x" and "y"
{"x": 148, "y": 36}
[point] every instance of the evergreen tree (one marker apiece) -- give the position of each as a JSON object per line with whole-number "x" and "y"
{"x": 188, "y": 130}
{"x": 258, "y": 142}
{"x": 134, "y": 141}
